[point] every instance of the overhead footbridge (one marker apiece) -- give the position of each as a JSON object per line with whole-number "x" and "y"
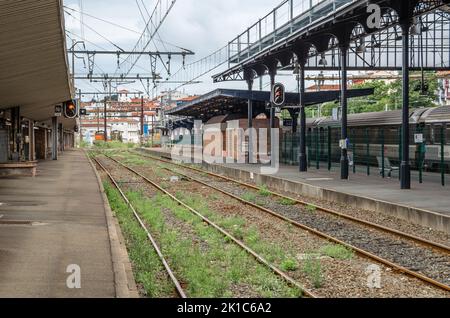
{"x": 344, "y": 35}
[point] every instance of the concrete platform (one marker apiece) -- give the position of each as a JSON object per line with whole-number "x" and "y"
{"x": 51, "y": 221}
{"x": 427, "y": 204}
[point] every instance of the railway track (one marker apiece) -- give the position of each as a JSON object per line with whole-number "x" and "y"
{"x": 393, "y": 264}
{"x": 375, "y": 226}
{"x": 290, "y": 281}
{"x": 180, "y": 291}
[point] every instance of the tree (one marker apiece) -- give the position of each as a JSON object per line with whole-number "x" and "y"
{"x": 386, "y": 96}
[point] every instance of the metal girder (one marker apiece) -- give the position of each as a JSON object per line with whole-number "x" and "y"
{"x": 155, "y": 53}
{"x": 369, "y": 49}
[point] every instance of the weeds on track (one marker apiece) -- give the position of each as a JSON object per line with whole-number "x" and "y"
{"x": 264, "y": 191}
{"x": 313, "y": 268}
{"x": 311, "y": 208}
{"x": 289, "y": 265}
{"x": 337, "y": 252}
{"x": 249, "y": 196}
{"x": 287, "y": 202}
{"x": 250, "y": 235}
{"x": 201, "y": 258}
{"x": 148, "y": 271}
{"x": 131, "y": 160}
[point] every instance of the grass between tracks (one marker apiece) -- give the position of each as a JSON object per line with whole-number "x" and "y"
{"x": 148, "y": 270}
{"x": 282, "y": 257}
{"x": 208, "y": 267}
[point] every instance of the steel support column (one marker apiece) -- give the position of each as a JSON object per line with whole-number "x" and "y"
{"x": 32, "y": 143}
{"x": 16, "y": 131}
{"x": 61, "y": 137}
{"x": 55, "y": 138}
{"x": 250, "y": 122}
{"x": 80, "y": 119}
{"x": 344, "y": 129}
{"x": 405, "y": 168}
{"x": 105, "y": 122}
{"x": 303, "y": 161}
{"x": 294, "y": 116}
{"x": 272, "y": 74}
{"x": 142, "y": 122}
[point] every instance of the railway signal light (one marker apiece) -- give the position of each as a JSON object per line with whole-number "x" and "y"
{"x": 278, "y": 94}
{"x": 70, "y": 109}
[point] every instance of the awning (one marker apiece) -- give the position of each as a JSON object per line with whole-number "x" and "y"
{"x": 229, "y": 101}
{"x": 34, "y": 71}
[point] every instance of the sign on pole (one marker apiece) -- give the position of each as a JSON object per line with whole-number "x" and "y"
{"x": 58, "y": 110}
{"x": 418, "y": 138}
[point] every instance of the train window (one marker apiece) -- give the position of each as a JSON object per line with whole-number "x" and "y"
{"x": 391, "y": 136}
{"x": 427, "y": 134}
{"x": 437, "y": 134}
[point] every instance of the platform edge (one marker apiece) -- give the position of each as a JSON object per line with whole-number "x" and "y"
{"x": 124, "y": 282}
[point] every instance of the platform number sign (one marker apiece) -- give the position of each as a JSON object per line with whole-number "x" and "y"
{"x": 58, "y": 110}
{"x": 278, "y": 95}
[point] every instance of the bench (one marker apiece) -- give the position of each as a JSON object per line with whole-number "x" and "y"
{"x": 18, "y": 169}
{"x": 387, "y": 166}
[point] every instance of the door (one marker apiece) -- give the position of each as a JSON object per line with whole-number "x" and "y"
{"x": 3, "y": 145}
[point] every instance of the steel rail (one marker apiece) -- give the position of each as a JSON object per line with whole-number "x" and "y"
{"x": 224, "y": 232}
{"x": 169, "y": 271}
{"x": 379, "y": 227}
{"x": 360, "y": 251}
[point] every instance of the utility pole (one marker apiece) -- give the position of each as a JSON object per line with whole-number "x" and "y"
{"x": 105, "y": 122}
{"x": 142, "y": 120}
{"x": 79, "y": 117}
{"x": 73, "y": 64}
{"x": 153, "y": 129}
{"x": 98, "y": 116}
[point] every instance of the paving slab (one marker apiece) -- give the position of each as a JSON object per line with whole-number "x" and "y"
{"x": 68, "y": 225}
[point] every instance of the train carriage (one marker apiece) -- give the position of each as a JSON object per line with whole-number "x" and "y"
{"x": 374, "y": 130}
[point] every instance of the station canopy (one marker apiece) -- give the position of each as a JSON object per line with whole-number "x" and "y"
{"x": 34, "y": 71}
{"x": 229, "y": 101}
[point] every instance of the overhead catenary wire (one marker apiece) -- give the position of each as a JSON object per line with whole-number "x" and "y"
{"x": 195, "y": 70}
{"x": 96, "y": 32}
{"x": 103, "y": 20}
{"x": 146, "y": 36}
{"x": 102, "y": 48}
{"x": 124, "y": 27}
{"x": 152, "y": 25}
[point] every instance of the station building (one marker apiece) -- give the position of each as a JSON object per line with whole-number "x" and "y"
{"x": 34, "y": 78}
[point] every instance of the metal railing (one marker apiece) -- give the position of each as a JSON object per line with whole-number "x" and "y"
{"x": 372, "y": 152}
{"x": 284, "y": 20}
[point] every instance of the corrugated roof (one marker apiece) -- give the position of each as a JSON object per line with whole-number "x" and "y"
{"x": 33, "y": 57}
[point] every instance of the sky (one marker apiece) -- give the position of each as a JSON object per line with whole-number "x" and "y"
{"x": 202, "y": 26}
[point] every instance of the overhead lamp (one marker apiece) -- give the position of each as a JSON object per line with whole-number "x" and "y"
{"x": 297, "y": 69}
{"x": 361, "y": 48}
{"x": 323, "y": 60}
{"x": 416, "y": 28}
